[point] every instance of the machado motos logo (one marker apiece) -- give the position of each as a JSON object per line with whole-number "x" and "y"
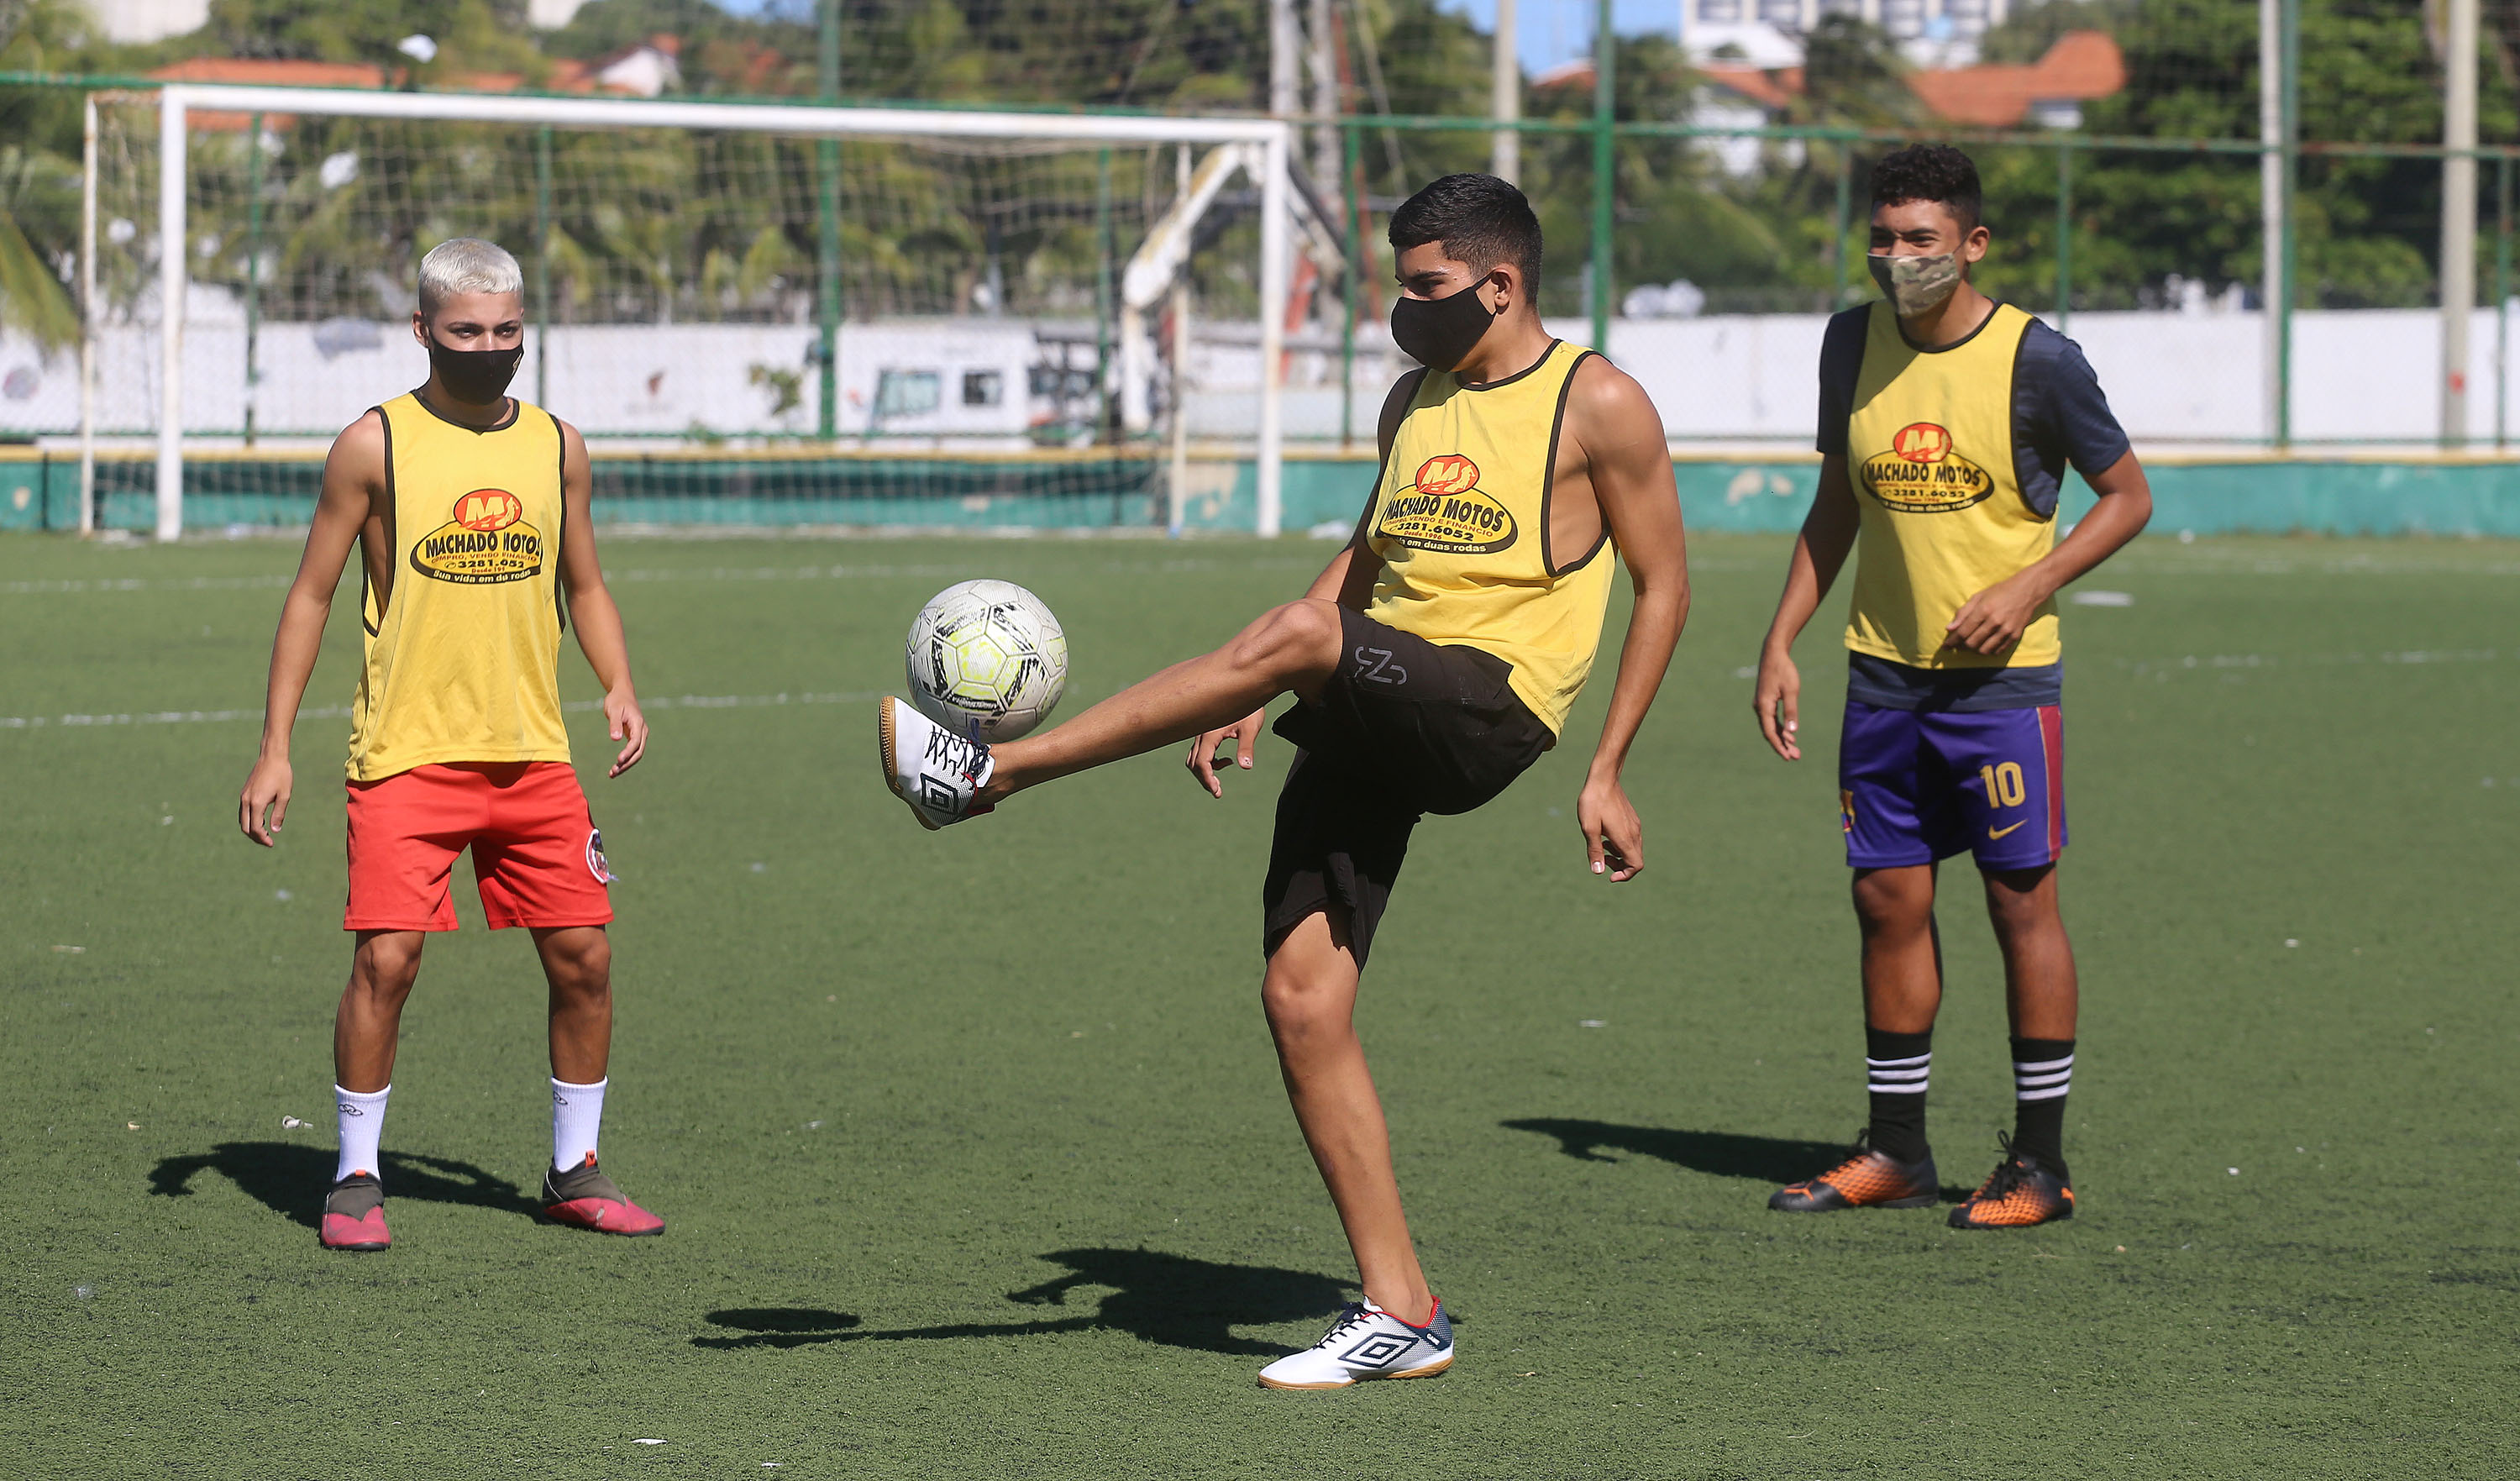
{"x": 1445, "y": 512}
{"x": 1921, "y": 474}
{"x": 487, "y": 540}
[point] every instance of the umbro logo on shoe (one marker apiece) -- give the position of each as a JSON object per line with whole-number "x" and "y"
{"x": 936, "y": 772}
{"x": 1367, "y": 1342}
{"x": 1379, "y": 1349}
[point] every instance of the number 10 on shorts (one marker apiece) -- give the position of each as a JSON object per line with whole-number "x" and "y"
{"x": 2004, "y": 788}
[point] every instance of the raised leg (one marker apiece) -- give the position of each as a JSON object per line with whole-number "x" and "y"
{"x": 1295, "y": 648}
{"x": 1310, "y": 995}
{"x": 384, "y": 965}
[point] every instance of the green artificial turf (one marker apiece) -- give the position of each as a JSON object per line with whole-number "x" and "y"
{"x": 972, "y": 1147}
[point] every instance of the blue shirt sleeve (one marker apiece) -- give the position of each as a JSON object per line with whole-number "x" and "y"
{"x": 1841, "y": 361}
{"x": 2059, "y": 417}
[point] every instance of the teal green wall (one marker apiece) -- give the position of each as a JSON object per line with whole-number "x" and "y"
{"x": 2255, "y": 497}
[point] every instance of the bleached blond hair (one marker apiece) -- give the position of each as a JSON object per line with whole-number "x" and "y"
{"x": 466, "y": 265}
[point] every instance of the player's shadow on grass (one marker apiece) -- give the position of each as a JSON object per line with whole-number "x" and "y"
{"x": 289, "y": 1179}
{"x": 1725, "y": 1154}
{"x": 778, "y": 1327}
{"x": 1167, "y": 1299}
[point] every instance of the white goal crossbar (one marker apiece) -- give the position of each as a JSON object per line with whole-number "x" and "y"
{"x": 176, "y": 101}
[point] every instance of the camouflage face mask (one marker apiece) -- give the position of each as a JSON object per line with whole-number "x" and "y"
{"x": 1915, "y": 285}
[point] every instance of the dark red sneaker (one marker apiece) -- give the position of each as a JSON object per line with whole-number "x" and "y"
{"x": 585, "y": 1197}
{"x": 354, "y": 1215}
{"x": 1867, "y": 1179}
{"x": 2022, "y": 1191}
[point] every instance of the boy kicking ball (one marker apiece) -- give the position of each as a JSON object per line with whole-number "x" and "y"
{"x": 1433, "y": 660}
{"x": 469, "y": 509}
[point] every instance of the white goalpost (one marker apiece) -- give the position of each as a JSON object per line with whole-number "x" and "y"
{"x": 1260, "y": 146}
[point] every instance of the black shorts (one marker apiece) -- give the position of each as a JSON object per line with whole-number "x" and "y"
{"x": 1404, "y": 728}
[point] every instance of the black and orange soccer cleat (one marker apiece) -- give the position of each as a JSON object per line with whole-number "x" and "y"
{"x": 2022, "y": 1191}
{"x": 1867, "y": 1179}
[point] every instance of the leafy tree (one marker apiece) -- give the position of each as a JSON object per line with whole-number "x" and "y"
{"x": 472, "y": 35}
{"x": 2366, "y": 229}
{"x": 39, "y": 169}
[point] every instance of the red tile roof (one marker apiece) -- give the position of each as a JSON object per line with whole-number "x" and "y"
{"x": 1575, "y": 74}
{"x": 1773, "y": 90}
{"x": 2080, "y": 66}
{"x": 264, "y": 72}
{"x": 566, "y": 76}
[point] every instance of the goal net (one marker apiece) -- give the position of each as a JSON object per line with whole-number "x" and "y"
{"x": 756, "y": 314}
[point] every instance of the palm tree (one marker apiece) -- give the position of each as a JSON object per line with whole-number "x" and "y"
{"x": 41, "y": 186}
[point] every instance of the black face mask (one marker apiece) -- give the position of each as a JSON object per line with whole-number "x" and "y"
{"x": 474, "y": 376}
{"x": 1440, "y": 333}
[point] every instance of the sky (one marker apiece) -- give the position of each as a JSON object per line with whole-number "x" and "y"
{"x": 1559, "y": 30}
{"x": 1552, "y": 31}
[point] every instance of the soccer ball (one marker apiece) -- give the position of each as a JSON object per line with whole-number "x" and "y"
{"x": 986, "y": 660}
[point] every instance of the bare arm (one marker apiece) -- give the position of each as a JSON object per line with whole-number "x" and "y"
{"x": 1820, "y": 553}
{"x": 591, "y": 606}
{"x": 354, "y": 477}
{"x": 1994, "y": 618}
{"x": 1629, "y": 462}
{"x": 1347, "y": 580}
{"x": 1331, "y": 585}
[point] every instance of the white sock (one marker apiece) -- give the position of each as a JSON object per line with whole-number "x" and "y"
{"x": 362, "y": 1119}
{"x": 577, "y": 1114}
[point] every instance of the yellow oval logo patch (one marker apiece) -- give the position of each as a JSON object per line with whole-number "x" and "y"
{"x": 486, "y": 540}
{"x": 1445, "y": 512}
{"x": 1921, "y": 474}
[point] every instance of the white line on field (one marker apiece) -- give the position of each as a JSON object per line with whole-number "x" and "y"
{"x": 2163, "y": 667}
{"x": 2154, "y": 563}
{"x": 342, "y": 711}
{"x": 2408, "y": 657}
{"x": 140, "y": 584}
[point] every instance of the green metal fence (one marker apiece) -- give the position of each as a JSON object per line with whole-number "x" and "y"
{"x": 2087, "y": 223}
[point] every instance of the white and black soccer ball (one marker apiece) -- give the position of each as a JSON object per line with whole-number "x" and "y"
{"x": 986, "y": 660}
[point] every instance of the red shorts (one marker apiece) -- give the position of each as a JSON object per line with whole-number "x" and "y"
{"x": 535, "y": 852}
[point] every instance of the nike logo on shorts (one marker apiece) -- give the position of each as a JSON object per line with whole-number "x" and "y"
{"x": 1997, "y": 832}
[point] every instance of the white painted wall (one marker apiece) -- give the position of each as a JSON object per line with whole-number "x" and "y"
{"x": 1770, "y": 32}
{"x": 131, "y": 22}
{"x": 662, "y": 381}
{"x": 2171, "y": 377}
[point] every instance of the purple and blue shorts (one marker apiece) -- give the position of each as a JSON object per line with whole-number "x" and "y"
{"x": 1916, "y": 786}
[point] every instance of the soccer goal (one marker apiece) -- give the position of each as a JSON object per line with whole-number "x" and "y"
{"x": 861, "y": 314}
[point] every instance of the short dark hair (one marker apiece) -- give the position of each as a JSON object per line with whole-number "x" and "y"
{"x": 1935, "y": 172}
{"x": 1480, "y": 219}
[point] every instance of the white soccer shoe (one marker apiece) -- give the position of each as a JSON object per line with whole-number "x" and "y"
{"x": 936, "y": 770}
{"x": 1367, "y": 1342}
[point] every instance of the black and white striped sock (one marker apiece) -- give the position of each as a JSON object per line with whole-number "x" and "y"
{"x": 1895, "y": 1068}
{"x": 2042, "y": 1074}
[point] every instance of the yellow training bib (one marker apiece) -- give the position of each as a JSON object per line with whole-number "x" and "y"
{"x": 1929, "y": 449}
{"x": 462, "y": 651}
{"x": 1461, "y": 524}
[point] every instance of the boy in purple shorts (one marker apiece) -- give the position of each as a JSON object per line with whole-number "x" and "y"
{"x": 1947, "y": 423}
